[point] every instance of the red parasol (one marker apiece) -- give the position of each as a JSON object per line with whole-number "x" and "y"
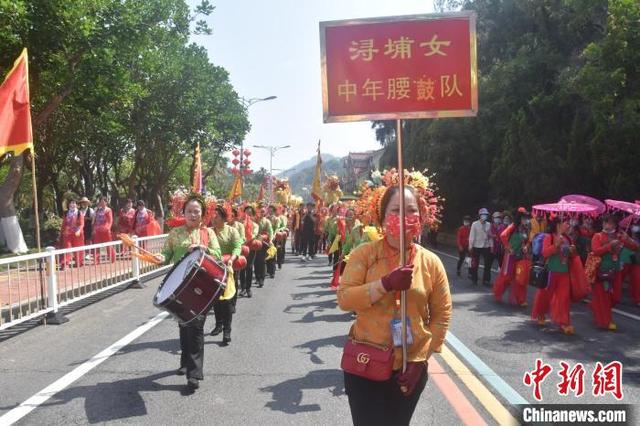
{"x": 585, "y": 199}
{"x": 566, "y": 207}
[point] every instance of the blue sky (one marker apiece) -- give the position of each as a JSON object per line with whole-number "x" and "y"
{"x": 272, "y": 48}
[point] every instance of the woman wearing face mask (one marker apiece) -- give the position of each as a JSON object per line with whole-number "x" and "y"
{"x": 371, "y": 286}
{"x": 71, "y": 234}
{"x": 181, "y": 240}
{"x": 497, "y": 227}
{"x": 515, "y": 239}
{"x": 462, "y": 240}
{"x": 608, "y": 245}
{"x": 557, "y": 249}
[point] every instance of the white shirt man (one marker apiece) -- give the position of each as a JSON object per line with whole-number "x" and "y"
{"x": 479, "y": 236}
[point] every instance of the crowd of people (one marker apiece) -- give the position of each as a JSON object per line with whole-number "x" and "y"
{"x": 563, "y": 256}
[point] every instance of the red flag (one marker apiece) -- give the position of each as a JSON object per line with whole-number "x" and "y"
{"x": 316, "y": 188}
{"x": 196, "y": 185}
{"x": 15, "y": 113}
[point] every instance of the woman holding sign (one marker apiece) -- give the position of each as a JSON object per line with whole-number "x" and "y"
{"x": 379, "y": 392}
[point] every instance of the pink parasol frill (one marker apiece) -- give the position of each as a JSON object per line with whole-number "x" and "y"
{"x": 585, "y": 199}
{"x": 571, "y": 208}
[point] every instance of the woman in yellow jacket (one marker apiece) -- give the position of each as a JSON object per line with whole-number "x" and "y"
{"x": 371, "y": 286}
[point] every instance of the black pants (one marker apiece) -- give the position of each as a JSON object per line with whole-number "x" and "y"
{"x": 380, "y": 403}
{"x": 222, "y": 311}
{"x": 259, "y": 264}
{"x": 281, "y": 246}
{"x": 296, "y": 247}
{"x": 461, "y": 256}
{"x": 236, "y": 280}
{"x": 246, "y": 275}
{"x": 192, "y": 347}
{"x": 487, "y": 261}
{"x": 308, "y": 248}
{"x": 271, "y": 266}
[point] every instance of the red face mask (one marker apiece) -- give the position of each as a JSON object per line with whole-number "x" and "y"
{"x": 412, "y": 225}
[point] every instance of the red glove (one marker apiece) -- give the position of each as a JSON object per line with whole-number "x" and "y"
{"x": 399, "y": 279}
{"x": 410, "y": 378}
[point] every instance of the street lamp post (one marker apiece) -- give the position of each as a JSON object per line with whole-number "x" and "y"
{"x": 272, "y": 150}
{"x": 246, "y": 103}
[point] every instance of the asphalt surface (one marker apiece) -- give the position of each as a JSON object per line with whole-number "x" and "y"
{"x": 282, "y": 366}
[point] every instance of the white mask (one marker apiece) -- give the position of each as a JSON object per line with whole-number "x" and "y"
{"x": 497, "y": 220}
{"x": 507, "y": 222}
{"x": 465, "y": 223}
{"x": 635, "y": 229}
{"x": 484, "y": 217}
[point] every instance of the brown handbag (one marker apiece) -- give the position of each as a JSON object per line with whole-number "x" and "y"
{"x": 367, "y": 360}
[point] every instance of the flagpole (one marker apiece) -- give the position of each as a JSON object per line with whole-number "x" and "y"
{"x": 403, "y": 252}
{"x": 35, "y": 198}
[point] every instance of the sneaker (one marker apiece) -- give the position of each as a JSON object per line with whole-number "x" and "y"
{"x": 248, "y": 293}
{"x": 524, "y": 305}
{"x": 612, "y": 327}
{"x": 181, "y": 371}
{"x": 542, "y": 321}
{"x": 568, "y": 329}
{"x": 217, "y": 330}
{"x": 226, "y": 337}
{"x": 303, "y": 258}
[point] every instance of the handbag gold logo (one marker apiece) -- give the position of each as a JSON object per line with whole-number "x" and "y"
{"x": 363, "y": 358}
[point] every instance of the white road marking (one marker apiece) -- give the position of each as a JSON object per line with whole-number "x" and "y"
{"x": 39, "y": 398}
{"x": 617, "y": 311}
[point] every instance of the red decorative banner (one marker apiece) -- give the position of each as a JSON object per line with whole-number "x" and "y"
{"x": 418, "y": 66}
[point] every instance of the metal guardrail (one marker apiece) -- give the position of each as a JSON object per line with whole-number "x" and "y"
{"x": 39, "y": 284}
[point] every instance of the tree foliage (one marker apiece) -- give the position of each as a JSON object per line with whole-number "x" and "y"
{"x": 120, "y": 98}
{"x": 559, "y": 94}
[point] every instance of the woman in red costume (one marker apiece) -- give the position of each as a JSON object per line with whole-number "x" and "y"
{"x": 102, "y": 224}
{"x": 516, "y": 265}
{"x": 126, "y": 219}
{"x": 557, "y": 250}
{"x": 608, "y": 245}
{"x": 72, "y": 234}
{"x": 143, "y": 219}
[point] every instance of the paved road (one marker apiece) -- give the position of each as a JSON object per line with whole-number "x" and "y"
{"x": 282, "y": 366}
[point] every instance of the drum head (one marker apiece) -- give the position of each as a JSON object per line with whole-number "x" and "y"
{"x": 176, "y": 276}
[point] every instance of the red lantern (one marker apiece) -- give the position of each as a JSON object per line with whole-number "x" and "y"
{"x": 244, "y": 250}
{"x": 240, "y": 263}
{"x": 235, "y": 170}
{"x": 235, "y": 152}
{"x": 247, "y": 171}
{"x": 247, "y": 152}
{"x": 247, "y": 162}
{"x": 235, "y": 161}
{"x": 256, "y": 244}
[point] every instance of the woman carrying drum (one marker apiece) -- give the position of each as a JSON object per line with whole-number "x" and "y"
{"x": 371, "y": 286}
{"x": 181, "y": 240}
{"x": 230, "y": 243}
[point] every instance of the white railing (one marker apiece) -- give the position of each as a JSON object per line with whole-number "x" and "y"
{"x": 40, "y": 284}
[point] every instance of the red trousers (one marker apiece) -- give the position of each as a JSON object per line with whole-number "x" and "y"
{"x": 602, "y": 301}
{"x": 556, "y": 299}
{"x": 101, "y": 235}
{"x": 517, "y": 280}
{"x": 634, "y": 283}
{"x": 69, "y": 241}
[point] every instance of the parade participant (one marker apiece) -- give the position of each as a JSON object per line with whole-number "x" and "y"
{"x": 516, "y": 265}
{"x": 608, "y": 245}
{"x": 102, "y": 224}
{"x": 462, "y": 241}
{"x": 538, "y": 225}
{"x": 634, "y": 266}
{"x": 557, "y": 250}
{"x": 296, "y": 227}
{"x": 281, "y": 244}
{"x": 126, "y": 219}
{"x": 235, "y": 223}
{"x": 274, "y": 222}
{"x": 585, "y": 235}
{"x": 181, "y": 240}
{"x": 230, "y": 244}
{"x": 143, "y": 219}
{"x": 507, "y": 219}
{"x": 89, "y": 214}
{"x": 265, "y": 233}
{"x": 497, "y": 227}
{"x": 308, "y": 233}
{"x": 250, "y": 235}
{"x": 353, "y": 236}
{"x": 72, "y": 234}
{"x": 371, "y": 286}
{"x": 331, "y": 230}
{"x": 480, "y": 244}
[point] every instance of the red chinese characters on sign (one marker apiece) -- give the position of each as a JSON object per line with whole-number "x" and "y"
{"x": 406, "y": 67}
